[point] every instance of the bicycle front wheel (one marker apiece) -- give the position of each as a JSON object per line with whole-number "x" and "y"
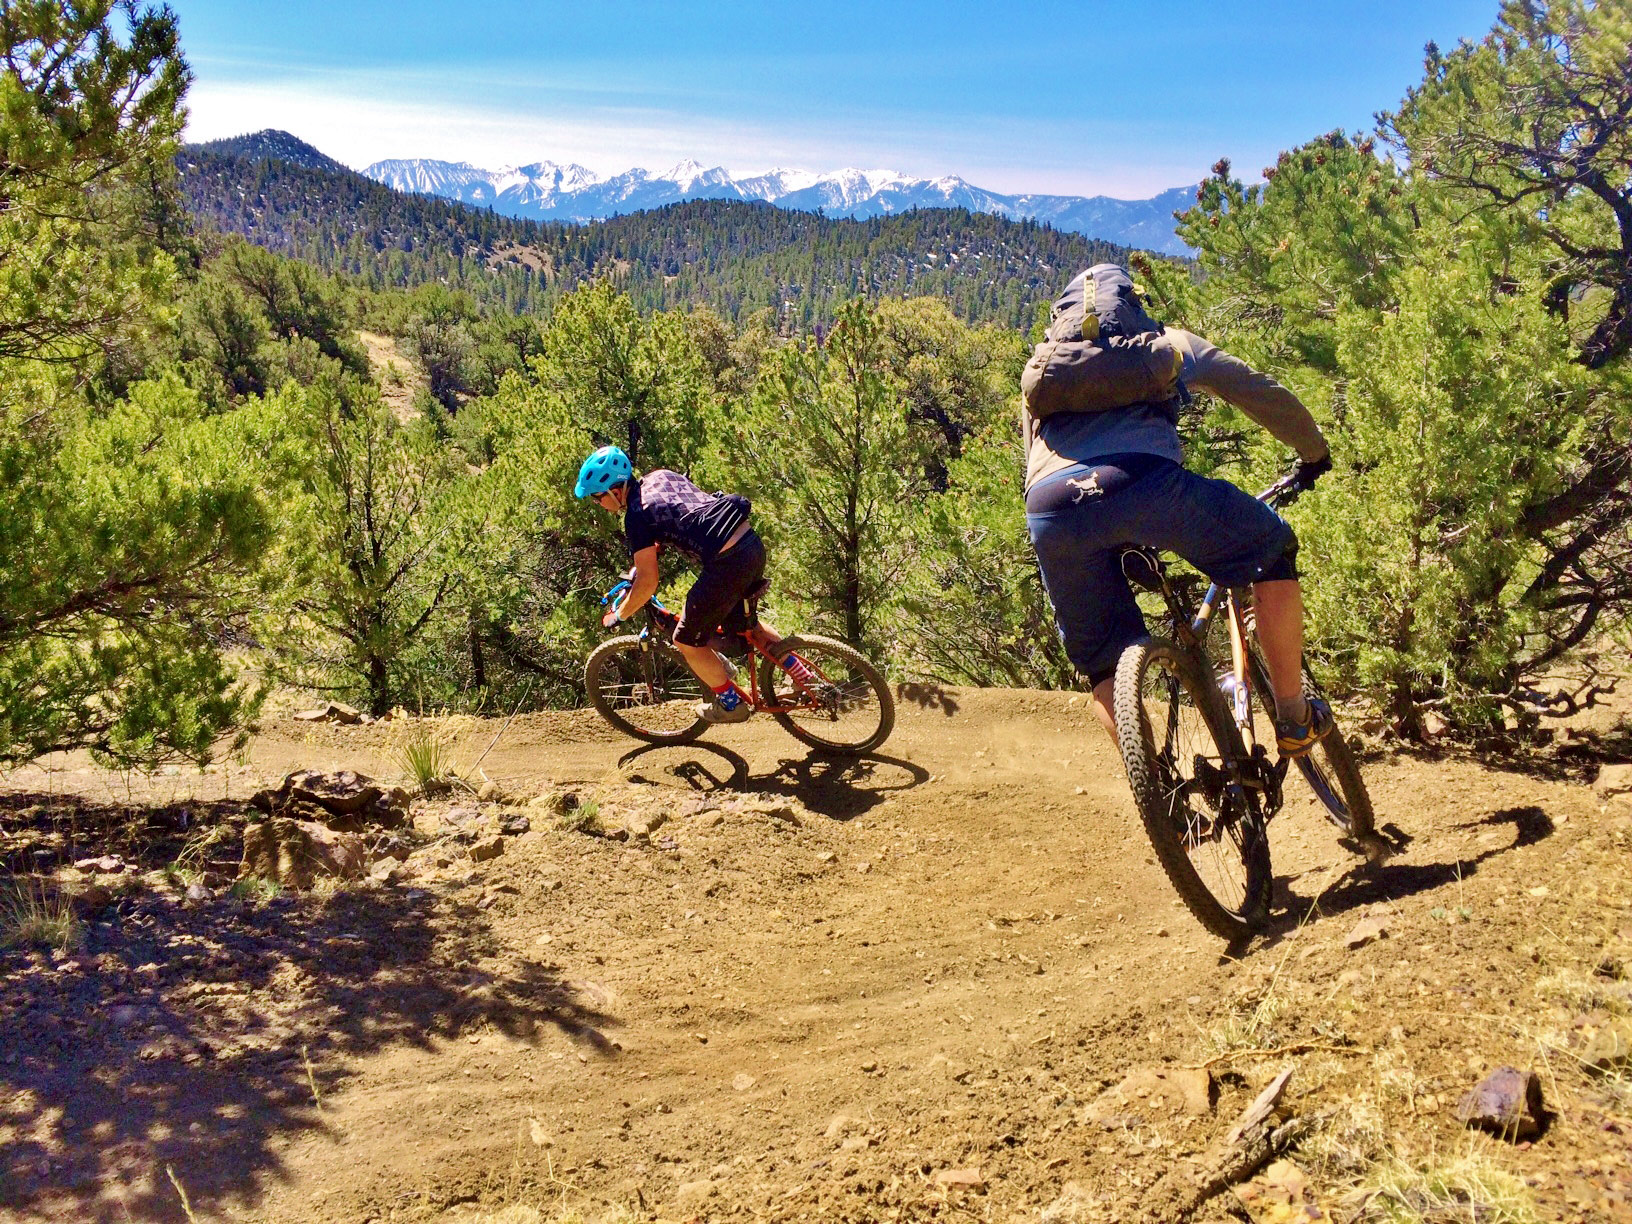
{"x": 645, "y": 689}
{"x": 1178, "y": 745}
{"x": 847, "y": 709}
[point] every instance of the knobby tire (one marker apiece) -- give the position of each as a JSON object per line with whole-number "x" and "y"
{"x": 860, "y": 734}
{"x": 1167, "y": 803}
{"x": 614, "y": 660}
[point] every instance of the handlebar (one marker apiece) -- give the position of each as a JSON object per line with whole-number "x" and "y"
{"x": 1284, "y": 491}
{"x": 1290, "y": 487}
{"x": 625, "y": 581}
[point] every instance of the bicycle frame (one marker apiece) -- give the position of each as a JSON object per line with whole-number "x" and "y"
{"x": 1256, "y": 772}
{"x": 665, "y": 620}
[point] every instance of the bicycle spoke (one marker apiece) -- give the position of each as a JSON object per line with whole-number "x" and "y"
{"x": 844, "y": 706}
{"x": 1193, "y": 781}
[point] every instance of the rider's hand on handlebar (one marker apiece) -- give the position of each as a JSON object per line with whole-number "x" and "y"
{"x": 611, "y": 617}
{"x": 1311, "y": 470}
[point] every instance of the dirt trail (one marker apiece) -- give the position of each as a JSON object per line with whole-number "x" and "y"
{"x": 937, "y": 963}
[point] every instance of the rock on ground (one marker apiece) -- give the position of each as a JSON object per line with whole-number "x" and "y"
{"x": 1506, "y": 1102}
{"x": 344, "y": 800}
{"x": 294, "y": 853}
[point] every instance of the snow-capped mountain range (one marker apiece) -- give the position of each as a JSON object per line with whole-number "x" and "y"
{"x": 546, "y": 190}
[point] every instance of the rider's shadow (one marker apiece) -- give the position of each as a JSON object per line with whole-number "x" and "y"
{"x": 1369, "y": 883}
{"x": 841, "y": 788}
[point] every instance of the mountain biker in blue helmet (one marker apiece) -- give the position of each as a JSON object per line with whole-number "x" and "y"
{"x": 663, "y": 509}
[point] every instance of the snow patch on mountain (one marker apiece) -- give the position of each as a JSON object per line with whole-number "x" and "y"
{"x": 546, "y": 190}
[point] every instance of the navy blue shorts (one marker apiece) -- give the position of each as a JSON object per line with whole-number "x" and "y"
{"x": 1081, "y": 520}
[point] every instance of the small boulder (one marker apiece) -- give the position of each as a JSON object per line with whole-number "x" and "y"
{"x": 1507, "y": 1102}
{"x": 776, "y": 809}
{"x": 1164, "y": 1091}
{"x": 486, "y": 848}
{"x": 960, "y": 1179}
{"x": 333, "y": 711}
{"x": 1367, "y": 930}
{"x": 107, "y": 864}
{"x": 390, "y": 871}
{"x": 91, "y": 900}
{"x": 492, "y": 792}
{"x": 293, "y": 853}
{"x": 391, "y": 848}
{"x": 1610, "y": 1048}
{"x": 1074, "y": 1203}
{"x": 1281, "y": 1193}
{"x": 642, "y": 824}
{"x": 345, "y": 800}
{"x": 515, "y": 826}
{"x": 689, "y": 1194}
{"x": 1613, "y": 780}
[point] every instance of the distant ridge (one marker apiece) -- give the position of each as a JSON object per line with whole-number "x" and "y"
{"x": 734, "y": 256}
{"x": 271, "y": 143}
{"x": 548, "y": 191}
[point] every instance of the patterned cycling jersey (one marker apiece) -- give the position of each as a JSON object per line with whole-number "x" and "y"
{"x": 665, "y": 508}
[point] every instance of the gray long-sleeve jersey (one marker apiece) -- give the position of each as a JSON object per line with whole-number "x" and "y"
{"x": 1069, "y": 438}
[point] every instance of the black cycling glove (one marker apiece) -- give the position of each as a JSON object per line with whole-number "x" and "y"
{"x": 1311, "y": 470}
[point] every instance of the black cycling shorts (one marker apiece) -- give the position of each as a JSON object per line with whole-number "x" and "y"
{"x": 715, "y": 601}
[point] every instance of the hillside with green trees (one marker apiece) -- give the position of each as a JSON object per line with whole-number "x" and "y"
{"x": 206, "y": 493}
{"x": 734, "y": 257}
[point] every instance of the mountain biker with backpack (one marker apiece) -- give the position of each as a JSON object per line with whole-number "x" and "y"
{"x": 663, "y": 509}
{"x": 1104, "y": 469}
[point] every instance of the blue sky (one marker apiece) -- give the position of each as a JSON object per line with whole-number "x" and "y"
{"x": 1093, "y": 97}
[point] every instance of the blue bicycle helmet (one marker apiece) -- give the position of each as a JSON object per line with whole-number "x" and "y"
{"x": 605, "y": 469}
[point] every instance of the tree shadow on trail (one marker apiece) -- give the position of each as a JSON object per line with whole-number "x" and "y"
{"x": 204, "y": 1038}
{"x": 1369, "y": 883}
{"x": 841, "y": 788}
{"x": 927, "y": 696}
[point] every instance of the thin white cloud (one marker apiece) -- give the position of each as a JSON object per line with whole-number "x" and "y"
{"x": 359, "y": 126}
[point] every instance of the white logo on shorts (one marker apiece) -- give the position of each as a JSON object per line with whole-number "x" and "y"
{"x": 1085, "y": 488}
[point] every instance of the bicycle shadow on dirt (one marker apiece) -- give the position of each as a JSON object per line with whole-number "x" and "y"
{"x": 203, "y": 1038}
{"x": 1368, "y": 883}
{"x": 840, "y": 788}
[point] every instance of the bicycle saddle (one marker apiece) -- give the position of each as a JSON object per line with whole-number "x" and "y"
{"x": 1143, "y": 568}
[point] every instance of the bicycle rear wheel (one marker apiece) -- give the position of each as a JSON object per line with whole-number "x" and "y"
{"x": 848, "y": 710}
{"x": 1330, "y": 768}
{"x": 1178, "y": 744}
{"x": 645, "y": 689}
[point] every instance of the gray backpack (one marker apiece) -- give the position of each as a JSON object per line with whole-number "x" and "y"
{"x": 1101, "y": 351}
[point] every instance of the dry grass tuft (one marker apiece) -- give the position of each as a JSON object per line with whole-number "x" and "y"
{"x": 1251, "y": 1023}
{"x": 426, "y": 751}
{"x": 34, "y": 914}
{"x": 585, "y": 818}
{"x": 1468, "y": 1188}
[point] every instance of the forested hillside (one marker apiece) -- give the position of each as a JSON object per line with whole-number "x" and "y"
{"x": 735, "y": 257}
{"x": 379, "y": 402}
